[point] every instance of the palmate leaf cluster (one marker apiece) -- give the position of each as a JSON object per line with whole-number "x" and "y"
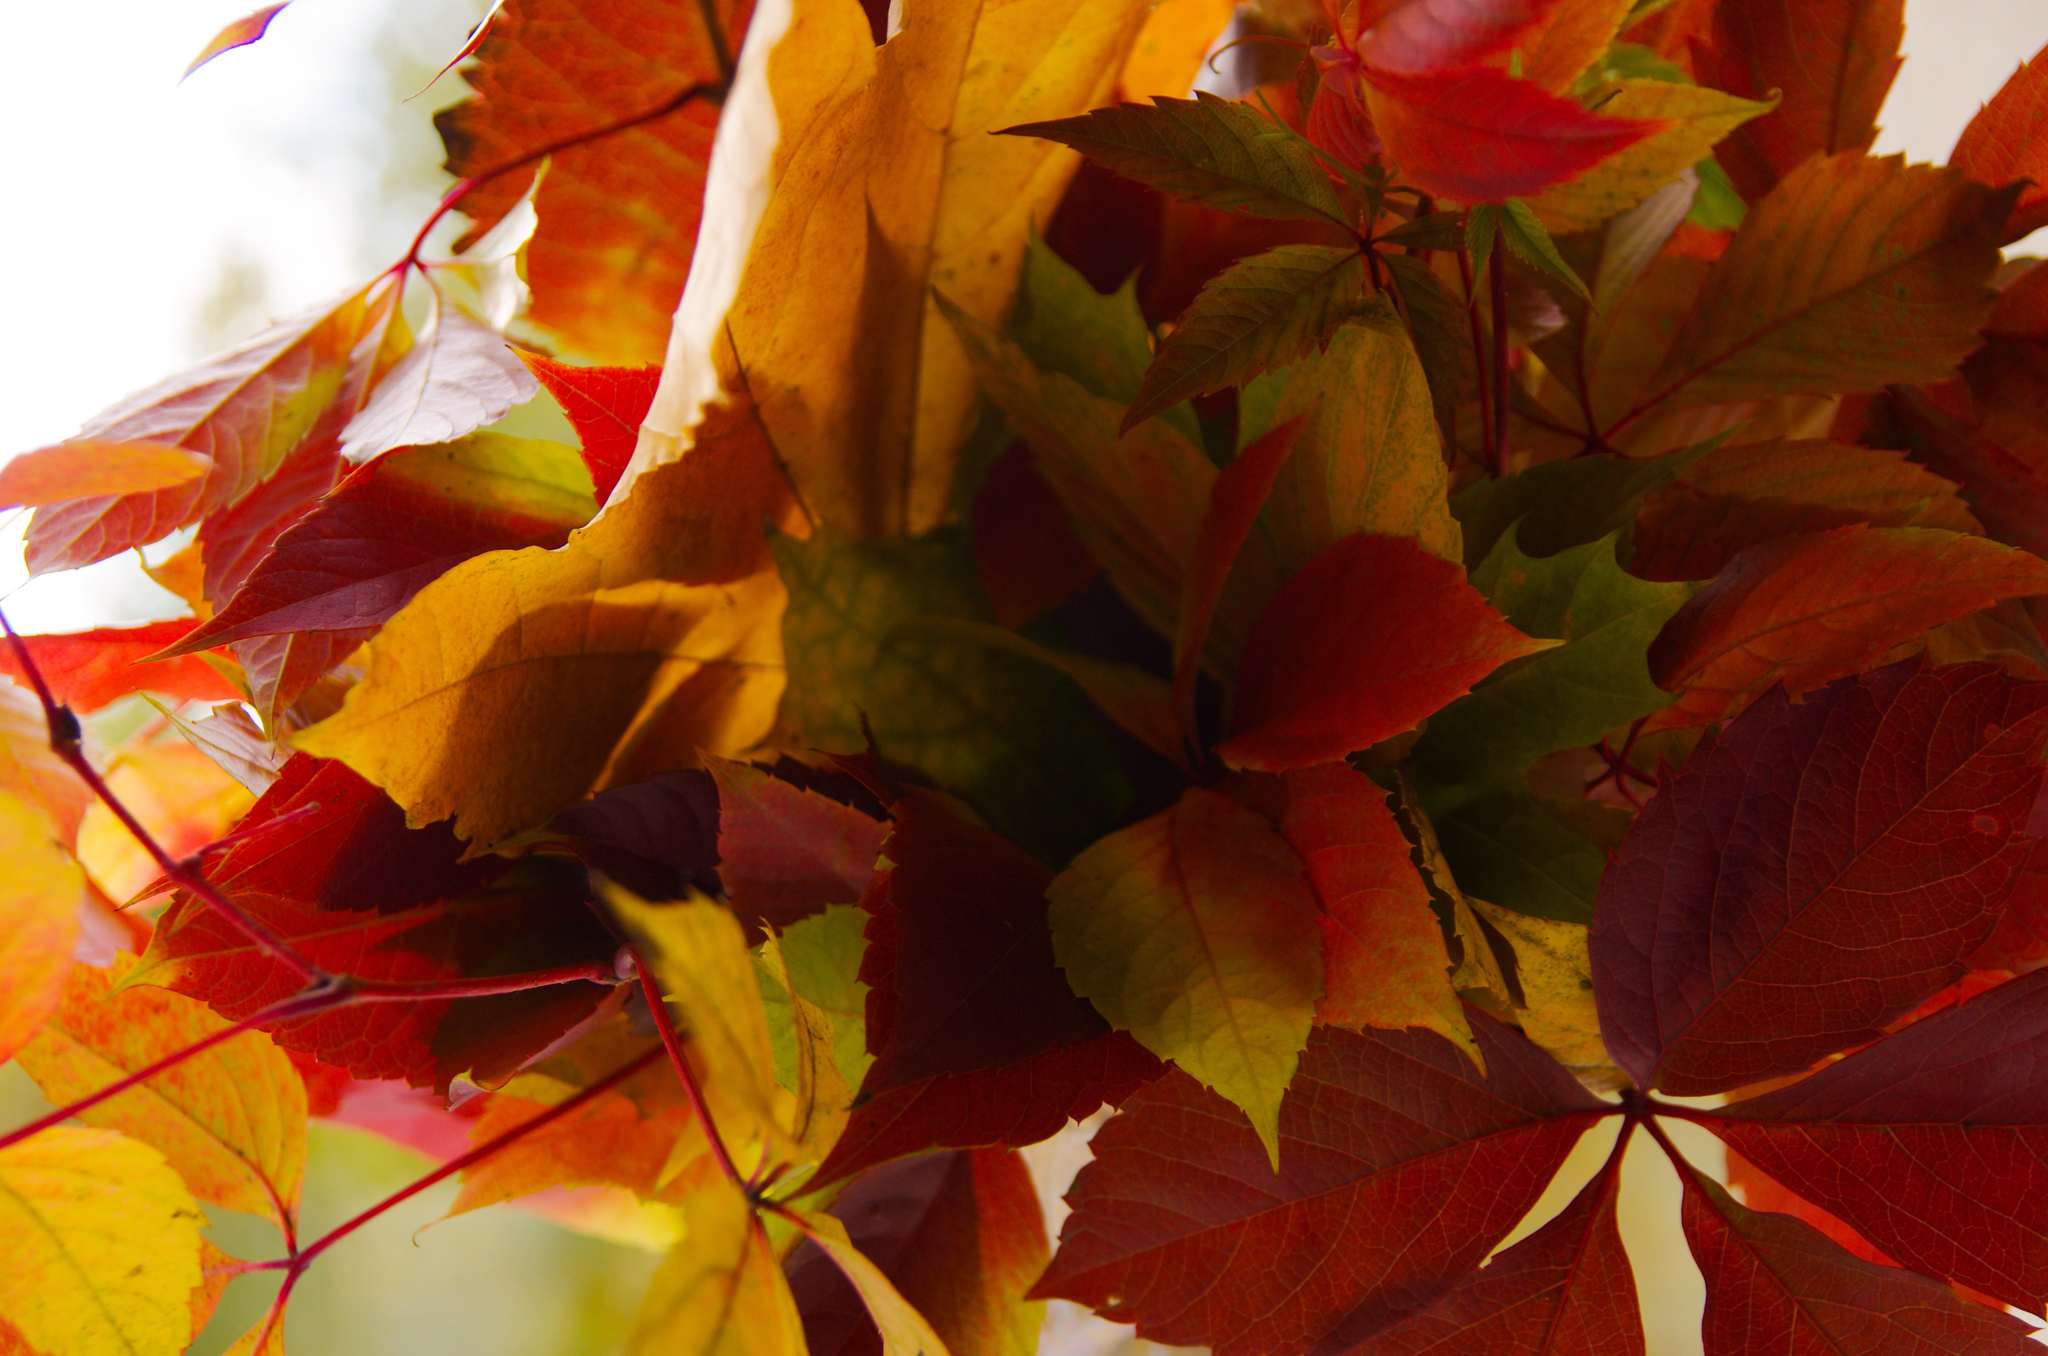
{"x": 1369, "y": 632}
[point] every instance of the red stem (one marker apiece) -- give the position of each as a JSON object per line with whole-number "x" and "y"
{"x": 1497, "y": 276}
{"x": 420, "y": 991}
{"x": 673, "y": 1044}
{"x": 303, "y": 1258}
{"x": 67, "y": 742}
{"x": 1478, "y": 361}
{"x": 1671, "y": 1152}
{"x": 464, "y": 187}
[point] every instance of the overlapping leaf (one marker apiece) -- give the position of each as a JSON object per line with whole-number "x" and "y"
{"x": 2003, "y": 143}
{"x": 38, "y": 920}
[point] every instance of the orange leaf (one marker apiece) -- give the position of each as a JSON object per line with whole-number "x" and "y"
{"x": 88, "y": 669}
{"x": 239, "y": 33}
{"x": 1363, "y": 643}
{"x": 50, "y": 475}
{"x": 2008, "y": 140}
{"x": 38, "y": 921}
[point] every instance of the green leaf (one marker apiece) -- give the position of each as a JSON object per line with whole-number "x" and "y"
{"x": 1432, "y": 231}
{"x": 1259, "y": 313}
{"x": 1525, "y": 854}
{"x": 1064, "y": 325}
{"x": 1596, "y": 681}
{"x": 1561, "y": 504}
{"x": 1531, "y": 244}
{"x": 1217, "y": 152}
{"x": 822, "y": 956}
{"x": 1718, "y": 206}
{"x": 1016, "y": 740}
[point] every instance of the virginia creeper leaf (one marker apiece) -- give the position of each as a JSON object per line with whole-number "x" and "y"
{"x": 1830, "y": 66}
{"x": 237, "y": 33}
{"x": 103, "y": 1245}
{"x": 960, "y": 1235}
{"x": 1554, "y": 977}
{"x": 658, "y": 838}
{"x": 38, "y": 920}
{"x": 2003, "y": 143}
{"x": 88, "y": 669}
{"x": 73, "y": 470}
{"x": 785, "y": 851}
{"x": 721, "y": 1291}
{"x": 1570, "y": 38}
{"x": 605, "y": 406}
{"x": 458, "y": 376}
{"x": 231, "y": 1121}
{"x": 1361, "y": 644}
{"x": 1693, "y": 121}
{"x": 31, "y": 772}
{"x": 1798, "y": 826}
{"x": 1534, "y": 856}
{"x": 1804, "y": 610}
{"x": 1195, "y": 931}
{"x": 1400, "y": 1167}
{"x": 1218, "y": 152}
{"x": 1259, "y": 313}
{"x": 1435, "y": 35}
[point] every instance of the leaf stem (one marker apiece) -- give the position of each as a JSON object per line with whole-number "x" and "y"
{"x": 671, "y": 1042}
{"x": 420, "y": 991}
{"x": 721, "y": 51}
{"x": 1478, "y": 360}
{"x": 464, "y": 187}
{"x": 1497, "y": 278}
{"x": 68, "y": 743}
{"x": 1656, "y": 1132}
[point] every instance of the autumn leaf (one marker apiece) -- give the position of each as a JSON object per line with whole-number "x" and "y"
{"x": 786, "y": 851}
{"x": 1569, "y": 38}
{"x": 88, "y": 669}
{"x": 1831, "y": 66}
{"x": 605, "y": 406}
{"x": 237, "y": 33}
{"x": 1804, "y": 610}
{"x": 658, "y": 838}
{"x": 1354, "y": 1232}
{"x": 1803, "y": 823}
{"x": 1334, "y": 663}
{"x": 103, "y": 1244}
{"x": 1554, "y": 975}
{"x": 38, "y": 920}
{"x": 720, "y": 1292}
{"x": 1692, "y": 122}
{"x": 230, "y": 1121}
{"x": 904, "y": 1331}
{"x": 2002, "y": 144}
{"x": 30, "y": 770}
{"x": 74, "y": 470}
{"x": 1143, "y": 921}
{"x": 458, "y": 376}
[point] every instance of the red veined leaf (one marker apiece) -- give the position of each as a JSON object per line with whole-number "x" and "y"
{"x": 961, "y": 1235}
{"x": 1745, "y": 494}
{"x": 1805, "y": 610}
{"x": 361, "y": 552}
{"x": 953, "y": 990}
{"x": 1912, "y": 1140}
{"x": 1830, "y": 63}
{"x": 1025, "y": 550}
{"x": 605, "y": 406}
{"x": 238, "y": 33}
{"x": 534, "y": 917}
{"x": 51, "y": 475}
{"x": 2004, "y": 142}
{"x": 617, "y": 217}
{"x": 1435, "y": 35}
{"x": 658, "y": 838}
{"x": 1365, "y": 641}
{"x": 246, "y": 411}
{"x": 785, "y": 851}
{"x": 1337, "y": 118}
{"x": 1889, "y": 808}
{"x": 1479, "y": 135}
{"x": 1400, "y": 1167}
{"x": 458, "y": 376}
{"x": 88, "y": 669}
{"x": 1236, "y": 497}
{"x": 1775, "y": 1284}
{"x": 1566, "y": 1290}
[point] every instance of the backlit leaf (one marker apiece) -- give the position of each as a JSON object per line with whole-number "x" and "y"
{"x": 604, "y": 404}
{"x": 88, "y": 669}
{"x": 903, "y": 1330}
{"x": 39, "y": 906}
{"x": 720, "y": 1292}
{"x": 2003, "y": 143}
{"x": 231, "y": 1121}
{"x": 1555, "y": 978}
{"x": 1804, "y": 610}
{"x": 458, "y": 376}
{"x": 73, "y": 470}
{"x": 1431, "y": 35}
{"x": 1362, "y": 643}
{"x": 103, "y": 1245}
{"x": 1400, "y": 1167}
{"x": 1694, "y": 121}
{"x": 238, "y": 33}
{"x": 1800, "y": 825}
{"x": 785, "y": 851}
{"x": 1195, "y": 931}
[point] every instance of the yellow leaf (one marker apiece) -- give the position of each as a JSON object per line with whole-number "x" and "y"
{"x": 904, "y": 1330}
{"x": 180, "y": 795}
{"x": 1167, "y": 55}
{"x": 1556, "y": 980}
{"x": 231, "y": 1120}
{"x": 699, "y": 957}
{"x": 1195, "y": 931}
{"x": 1570, "y": 39}
{"x": 815, "y": 1108}
{"x": 520, "y": 681}
{"x": 39, "y": 901}
{"x": 852, "y": 182}
{"x": 721, "y": 1291}
{"x": 1695, "y": 119}
{"x": 102, "y": 1245}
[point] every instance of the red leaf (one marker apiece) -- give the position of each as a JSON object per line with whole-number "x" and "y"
{"x": 1566, "y": 1290}
{"x": 2008, "y": 140}
{"x": 239, "y": 33}
{"x": 1814, "y": 872}
{"x": 658, "y": 838}
{"x": 1365, "y": 641}
{"x": 1234, "y": 503}
{"x": 51, "y": 475}
{"x": 88, "y": 669}
{"x": 1932, "y": 1143}
{"x": 786, "y": 852}
{"x": 960, "y": 1234}
{"x": 1478, "y": 135}
{"x": 1400, "y": 1167}
{"x": 605, "y": 406}
{"x": 1017, "y": 1105}
{"x": 534, "y": 917}
{"x": 954, "y": 990}
{"x": 1829, "y": 62}
{"x": 1421, "y": 36}
{"x": 1775, "y": 1284}
{"x": 1024, "y": 549}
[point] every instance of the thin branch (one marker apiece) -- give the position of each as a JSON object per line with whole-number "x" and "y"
{"x": 691, "y": 1089}
{"x": 420, "y": 991}
{"x": 68, "y": 743}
